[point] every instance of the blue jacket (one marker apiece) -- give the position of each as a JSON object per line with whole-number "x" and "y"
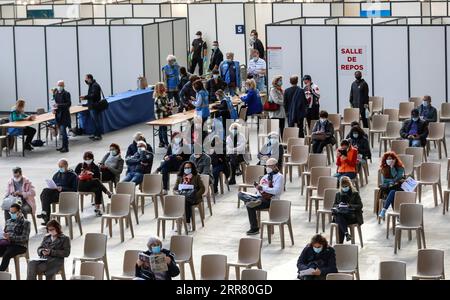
{"x": 253, "y": 102}
{"x": 225, "y": 73}
{"x": 202, "y": 104}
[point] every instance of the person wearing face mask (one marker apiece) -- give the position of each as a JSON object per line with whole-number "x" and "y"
{"x": 224, "y": 109}
{"x": 93, "y": 97}
{"x": 322, "y": 133}
{"x": 21, "y": 187}
{"x": 190, "y": 184}
{"x": 359, "y": 140}
{"x": 187, "y": 92}
{"x": 163, "y": 109}
{"x": 392, "y": 176}
{"x": 201, "y": 160}
{"x": 171, "y": 78}
{"x": 143, "y": 270}
{"x": 199, "y": 52}
{"x": 229, "y": 72}
{"x": 132, "y": 148}
{"x": 415, "y": 130}
{"x": 347, "y": 208}
{"x": 359, "y": 97}
{"x": 268, "y": 189}
{"x": 427, "y": 112}
{"x": 65, "y": 180}
{"x": 138, "y": 164}
{"x": 271, "y": 149}
{"x": 219, "y": 161}
{"x": 89, "y": 180}
{"x": 256, "y": 69}
{"x": 111, "y": 165}
{"x": 201, "y": 104}
{"x": 184, "y": 78}
{"x": 214, "y": 84}
{"x": 295, "y": 105}
{"x": 53, "y": 249}
{"x": 62, "y": 114}
{"x": 252, "y": 99}
{"x": 346, "y": 160}
{"x": 276, "y": 96}
{"x": 316, "y": 260}
{"x": 235, "y": 148}
{"x": 18, "y": 114}
{"x": 256, "y": 43}
{"x": 216, "y": 57}
{"x": 312, "y": 96}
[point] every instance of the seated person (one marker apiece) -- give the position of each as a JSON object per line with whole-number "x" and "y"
{"x": 219, "y": 161}
{"x": 54, "y": 248}
{"x": 319, "y": 258}
{"x": 415, "y": 130}
{"x": 188, "y": 176}
{"x": 223, "y": 112}
{"x": 143, "y": 269}
{"x": 358, "y": 139}
{"x": 269, "y": 188}
{"x": 346, "y": 161}
{"x": 66, "y": 181}
{"x": 132, "y": 148}
{"x": 89, "y": 180}
{"x": 271, "y": 149}
{"x": 21, "y": 187}
{"x": 139, "y": 164}
{"x": 252, "y": 99}
{"x": 14, "y": 239}
{"x": 235, "y": 148}
{"x": 111, "y": 165}
{"x": 186, "y": 93}
{"x": 322, "y": 133}
{"x": 201, "y": 160}
{"x": 213, "y": 85}
{"x": 427, "y": 112}
{"x": 18, "y": 114}
{"x": 347, "y": 208}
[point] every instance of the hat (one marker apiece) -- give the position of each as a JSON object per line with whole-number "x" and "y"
{"x": 273, "y": 134}
{"x": 306, "y": 77}
{"x": 198, "y": 33}
{"x": 271, "y": 162}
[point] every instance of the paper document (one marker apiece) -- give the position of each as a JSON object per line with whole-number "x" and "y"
{"x": 409, "y": 185}
{"x": 185, "y": 187}
{"x": 51, "y": 184}
{"x": 39, "y": 259}
{"x": 156, "y": 262}
{"x": 306, "y": 272}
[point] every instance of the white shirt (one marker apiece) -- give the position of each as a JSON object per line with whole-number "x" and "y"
{"x": 240, "y": 148}
{"x": 255, "y": 67}
{"x": 277, "y": 182}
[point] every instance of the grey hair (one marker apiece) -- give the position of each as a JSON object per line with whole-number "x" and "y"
{"x": 154, "y": 240}
{"x": 171, "y": 57}
{"x": 63, "y": 160}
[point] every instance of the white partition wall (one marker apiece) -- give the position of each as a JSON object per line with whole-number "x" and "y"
{"x": 228, "y": 39}
{"x": 145, "y": 11}
{"x": 165, "y": 32}
{"x": 285, "y": 11}
{"x": 263, "y": 16}
{"x": 151, "y": 53}
{"x": 180, "y": 41}
{"x": 202, "y": 17}
{"x": 7, "y": 74}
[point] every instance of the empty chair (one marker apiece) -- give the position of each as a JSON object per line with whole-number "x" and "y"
{"x": 252, "y": 174}
{"x": 120, "y": 210}
{"x": 377, "y": 104}
{"x": 444, "y": 113}
{"x": 392, "y": 270}
{"x": 129, "y": 265}
{"x": 249, "y": 255}
{"x": 392, "y": 216}
{"x": 329, "y": 195}
{"x": 436, "y": 134}
{"x": 379, "y": 125}
{"x": 411, "y": 218}
{"x": 339, "y": 276}
{"x": 291, "y": 143}
{"x": 392, "y": 113}
{"x": 253, "y": 274}
{"x": 5, "y": 276}
{"x": 316, "y": 172}
{"x": 408, "y": 162}
{"x": 392, "y": 133}
{"x": 207, "y": 194}
{"x": 314, "y": 160}
{"x": 129, "y": 188}
{"x": 173, "y": 210}
{"x": 335, "y": 119}
{"x": 347, "y": 259}
{"x": 350, "y": 115}
{"x": 430, "y": 174}
{"x": 419, "y": 158}
{"x": 151, "y": 187}
{"x": 404, "y": 110}
{"x": 181, "y": 247}
{"x": 94, "y": 250}
{"x": 289, "y": 132}
{"x": 399, "y": 146}
{"x": 416, "y": 100}
{"x": 213, "y": 267}
{"x": 430, "y": 264}
{"x": 92, "y": 268}
{"x": 298, "y": 158}
{"x": 324, "y": 182}
{"x": 68, "y": 208}
{"x": 82, "y": 277}
{"x": 279, "y": 214}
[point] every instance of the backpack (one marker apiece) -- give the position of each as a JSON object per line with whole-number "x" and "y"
{"x": 232, "y": 109}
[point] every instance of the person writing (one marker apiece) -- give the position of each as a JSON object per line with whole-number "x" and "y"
{"x": 18, "y": 114}
{"x": 316, "y": 260}
{"x": 21, "y": 187}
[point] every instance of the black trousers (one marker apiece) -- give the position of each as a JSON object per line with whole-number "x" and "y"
{"x": 188, "y": 211}
{"x": 168, "y": 166}
{"x": 94, "y": 186}
{"x": 174, "y": 95}
{"x": 8, "y": 252}
{"x": 252, "y": 213}
{"x": 196, "y": 61}
{"x": 301, "y": 127}
{"x": 317, "y": 146}
{"x": 48, "y": 196}
{"x": 362, "y": 113}
{"x": 235, "y": 160}
{"x": 282, "y": 122}
{"x": 312, "y": 113}
{"x": 343, "y": 221}
{"x": 107, "y": 175}
{"x": 29, "y": 133}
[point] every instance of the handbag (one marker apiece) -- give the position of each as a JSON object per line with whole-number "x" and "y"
{"x": 102, "y": 104}
{"x": 189, "y": 196}
{"x": 85, "y": 176}
{"x": 10, "y": 200}
{"x": 318, "y": 137}
{"x": 271, "y": 106}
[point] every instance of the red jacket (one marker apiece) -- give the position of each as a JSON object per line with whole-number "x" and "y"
{"x": 348, "y": 165}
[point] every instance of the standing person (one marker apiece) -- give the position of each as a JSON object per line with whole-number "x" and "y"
{"x": 18, "y": 114}
{"x": 198, "y": 53}
{"x": 276, "y": 96}
{"x": 21, "y": 187}
{"x": 318, "y": 256}
{"x": 201, "y": 103}
{"x": 256, "y": 69}
{"x": 216, "y": 57}
{"x": 93, "y": 97}
{"x": 230, "y": 73}
{"x": 427, "y": 112}
{"x": 213, "y": 85}
{"x": 256, "y": 43}
{"x": 184, "y": 78}
{"x": 322, "y": 133}
{"x": 62, "y": 114}
{"x": 295, "y": 105}
{"x": 163, "y": 109}
{"x": 312, "y": 95}
{"x": 359, "y": 97}
{"x": 415, "y": 130}
{"x": 171, "y": 78}
{"x": 186, "y": 93}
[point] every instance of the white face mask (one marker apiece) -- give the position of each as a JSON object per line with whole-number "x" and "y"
{"x": 215, "y": 47}
{"x": 60, "y": 88}
{"x": 215, "y": 76}
{"x": 322, "y": 120}
{"x": 17, "y": 179}
{"x": 198, "y": 36}
{"x": 273, "y": 140}
{"x": 113, "y": 152}
{"x": 389, "y": 162}
{"x": 88, "y": 161}
{"x": 255, "y": 59}
{"x": 269, "y": 170}
{"x": 177, "y": 140}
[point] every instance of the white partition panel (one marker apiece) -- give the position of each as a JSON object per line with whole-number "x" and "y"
{"x": 427, "y": 57}
{"x": 284, "y": 11}
{"x": 151, "y": 53}
{"x": 353, "y": 38}
{"x": 390, "y": 64}
{"x": 7, "y": 74}
{"x": 119, "y": 11}
{"x": 226, "y": 30}
{"x": 166, "y": 10}
{"x": 319, "y": 61}
{"x": 30, "y": 64}
{"x": 126, "y": 57}
{"x": 202, "y": 17}
{"x": 250, "y": 23}
{"x": 263, "y": 16}
{"x": 166, "y": 41}
{"x": 316, "y": 9}
{"x": 448, "y": 62}
{"x": 99, "y": 11}
{"x": 95, "y": 62}
{"x": 179, "y": 39}
{"x": 86, "y": 11}
{"x": 145, "y": 11}
{"x": 409, "y": 9}
{"x": 62, "y": 59}
{"x": 179, "y": 10}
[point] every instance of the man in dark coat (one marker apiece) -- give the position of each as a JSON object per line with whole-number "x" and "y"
{"x": 295, "y": 105}
{"x": 415, "y": 130}
{"x": 186, "y": 93}
{"x": 359, "y": 97}
{"x": 256, "y": 43}
{"x": 316, "y": 260}
{"x": 93, "y": 97}
{"x": 62, "y": 114}
{"x": 216, "y": 57}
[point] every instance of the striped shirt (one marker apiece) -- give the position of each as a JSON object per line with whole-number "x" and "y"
{"x": 254, "y": 67}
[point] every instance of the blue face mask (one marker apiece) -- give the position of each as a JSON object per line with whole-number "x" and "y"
{"x": 317, "y": 250}
{"x": 345, "y": 189}
{"x": 61, "y": 170}
{"x": 355, "y": 135}
{"x": 415, "y": 119}
{"x": 187, "y": 171}
{"x": 156, "y": 249}
{"x": 13, "y": 216}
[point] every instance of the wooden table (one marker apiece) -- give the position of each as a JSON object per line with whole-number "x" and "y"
{"x": 40, "y": 119}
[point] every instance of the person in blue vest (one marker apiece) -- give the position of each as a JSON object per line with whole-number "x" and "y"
{"x": 18, "y": 114}
{"x": 229, "y": 72}
{"x": 171, "y": 77}
{"x": 62, "y": 114}
{"x": 201, "y": 102}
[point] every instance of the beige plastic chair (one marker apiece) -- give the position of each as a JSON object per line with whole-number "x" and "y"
{"x": 16, "y": 259}
{"x": 392, "y": 216}
{"x": 379, "y": 126}
{"x": 314, "y": 160}
{"x": 208, "y": 193}
{"x": 329, "y": 195}
{"x": 213, "y": 267}
{"x": 252, "y": 173}
{"x": 267, "y": 126}
{"x": 408, "y": 162}
{"x": 82, "y": 194}
{"x": 92, "y": 268}
{"x": 436, "y": 134}
{"x": 68, "y": 208}
{"x": 392, "y": 113}
{"x": 82, "y": 277}
{"x": 444, "y": 113}
{"x": 399, "y": 146}
{"x": 249, "y": 255}
{"x": 335, "y": 119}
{"x": 129, "y": 188}
{"x": 223, "y": 179}
{"x": 309, "y": 129}
{"x": 94, "y": 250}
{"x": 411, "y": 218}
{"x": 430, "y": 174}
{"x": 347, "y": 259}
{"x": 430, "y": 264}
{"x": 279, "y": 214}
{"x": 289, "y": 132}
{"x": 377, "y": 104}
{"x": 334, "y": 231}
{"x": 120, "y": 210}
{"x": 419, "y": 158}
{"x": 416, "y": 100}
{"x": 129, "y": 265}
{"x": 291, "y": 143}
{"x": 243, "y": 113}
{"x": 151, "y": 187}
{"x": 339, "y": 276}
{"x": 173, "y": 210}
{"x": 181, "y": 246}
{"x": 392, "y": 133}
{"x": 316, "y": 172}
{"x": 253, "y": 274}
{"x": 298, "y": 158}
{"x": 324, "y": 182}
{"x": 404, "y": 110}
{"x": 5, "y": 276}
{"x": 392, "y": 270}
{"x": 350, "y": 115}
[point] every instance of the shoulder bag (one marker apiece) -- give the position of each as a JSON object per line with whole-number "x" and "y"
{"x": 102, "y": 104}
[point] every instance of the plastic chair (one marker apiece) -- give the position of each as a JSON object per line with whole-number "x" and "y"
{"x": 120, "y": 210}
{"x": 314, "y": 160}
{"x": 316, "y": 172}
{"x": 347, "y": 259}
{"x": 444, "y": 113}
{"x": 334, "y": 231}
{"x": 253, "y": 274}
{"x": 279, "y": 214}
{"x": 213, "y": 267}
{"x": 82, "y": 194}
{"x": 399, "y": 146}
{"x": 419, "y": 158}
{"x": 289, "y": 132}
{"x": 298, "y": 158}
{"x": 436, "y": 133}
{"x": 5, "y": 276}
{"x": 16, "y": 259}
{"x": 151, "y": 187}
{"x": 129, "y": 265}
{"x": 291, "y": 143}
{"x": 82, "y": 277}
{"x": 430, "y": 264}
{"x": 223, "y": 179}
{"x": 92, "y": 268}
{"x": 324, "y": 182}
{"x": 350, "y": 115}
{"x": 416, "y": 100}
{"x": 430, "y": 174}
{"x": 411, "y": 218}
{"x": 173, "y": 210}
{"x": 377, "y": 104}
{"x": 392, "y": 113}
{"x": 329, "y": 195}
{"x": 181, "y": 246}
{"x": 208, "y": 192}
{"x": 335, "y": 119}
{"x": 252, "y": 174}
{"x": 94, "y": 250}
{"x": 404, "y": 110}
{"x": 339, "y": 276}
{"x": 392, "y": 270}
{"x": 129, "y": 188}
{"x": 408, "y": 162}
{"x": 392, "y": 133}
{"x": 379, "y": 126}
{"x": 249, "y": 255}
{"x": 392, "y": 216}
{"x": 68, "y": 208}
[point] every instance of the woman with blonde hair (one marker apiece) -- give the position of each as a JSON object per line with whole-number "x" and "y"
{"x": 252, "y": 99}
{"x": 163, "y": 109}
{"x": 347, "y": 208}
{"x": 18, "y": 114}
{"x": 276, "y": 96}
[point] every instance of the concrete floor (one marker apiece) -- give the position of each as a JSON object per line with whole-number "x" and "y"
{"x": 223, "y": 230}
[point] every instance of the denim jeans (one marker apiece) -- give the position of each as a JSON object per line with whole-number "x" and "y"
{"x": 260, "y": 84}
{"x": 162, "y": 132}
{"x": 65, "y": 138}
{"x": 389, "y": 200}
{"x": 96, "y": 117}
{"x": 134, "y": 177}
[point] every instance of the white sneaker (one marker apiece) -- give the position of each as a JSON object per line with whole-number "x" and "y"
{"x": 189, "y": 227}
